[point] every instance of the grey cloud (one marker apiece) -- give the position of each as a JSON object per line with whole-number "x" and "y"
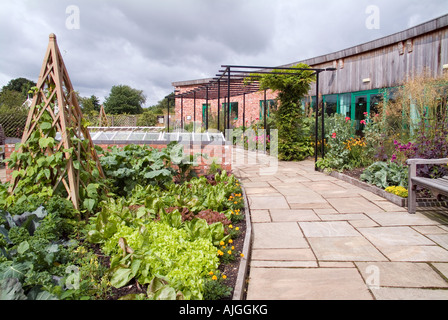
{"x": 149, "y": 44}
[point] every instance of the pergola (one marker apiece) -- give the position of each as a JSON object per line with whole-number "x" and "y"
{"x": 232, "y": 80}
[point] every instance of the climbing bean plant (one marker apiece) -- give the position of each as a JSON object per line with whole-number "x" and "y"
{"x": 40, "y": 168}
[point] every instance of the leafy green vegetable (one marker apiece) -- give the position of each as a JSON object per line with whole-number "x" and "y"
{"x": 385, "y": 174}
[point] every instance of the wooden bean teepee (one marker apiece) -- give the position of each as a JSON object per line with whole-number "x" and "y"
{"x": 55, "y": 96}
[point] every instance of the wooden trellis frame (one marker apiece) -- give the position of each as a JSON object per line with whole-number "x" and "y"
{"x": 104, "y": 122}
{"x": 54, "y": 89}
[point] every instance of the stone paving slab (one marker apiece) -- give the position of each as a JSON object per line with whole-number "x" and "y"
{"x": 328, "y": 229}
{"x": 292, "y": 215}
{"x": 317, "y": 237}
{"x": 394, "y": 236}
{"x": 307, "y": 284}
{"x": 402, "y": 274}
{"x": 305, "y": 254}
{"x": 271, "y": 201}
{"x": 281, "y": 235}
{"x": 416, "y": 253}
{"x": 345, "y": 249}
{"x": 409, "y": 294}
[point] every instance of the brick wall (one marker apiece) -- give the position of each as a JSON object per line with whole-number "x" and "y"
{"x": 252, "y": 106}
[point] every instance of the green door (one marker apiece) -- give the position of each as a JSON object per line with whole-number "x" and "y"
{"x": 363, "y": 103}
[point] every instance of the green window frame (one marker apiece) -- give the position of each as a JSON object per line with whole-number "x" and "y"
{"x": 271, "y": 104}
{"x": 204, "y": 110}
{"x": 233, "y": 110}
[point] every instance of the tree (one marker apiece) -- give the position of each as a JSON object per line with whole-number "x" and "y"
{"x": 14, "y": 94}
{"x": 293, "y": 132}
{"x": 90, "y": 104}
{"x": 20, "y": 85}
{"x": 124, "y": 99}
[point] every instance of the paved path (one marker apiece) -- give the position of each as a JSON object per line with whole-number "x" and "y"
{"x": 317, "y": 237}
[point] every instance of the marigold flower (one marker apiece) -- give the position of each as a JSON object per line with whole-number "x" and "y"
{"x": 242, "y": 255}
{"x": 214, "y": 278}
{"x": 229, "y": 252}
{"x": 210, "y": 273}
{"x": 230, "y": 241}
{"x": 237, "y": 228}
{"x": 230, "y": 226}
{"x": 221, "y": 243}
{"x": 224, "y": 276}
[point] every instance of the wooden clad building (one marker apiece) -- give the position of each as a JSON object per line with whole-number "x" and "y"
{"x": 365, "y": 75}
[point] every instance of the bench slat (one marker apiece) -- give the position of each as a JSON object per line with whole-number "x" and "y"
{"x": 439, "y": 185}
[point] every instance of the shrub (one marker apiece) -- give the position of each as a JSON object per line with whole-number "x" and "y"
{"x": 385, "y": 174}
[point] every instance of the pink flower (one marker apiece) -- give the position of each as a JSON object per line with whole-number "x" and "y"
{"x": 347, "y": 119}
{"x": 333, "y": 135}
{"x": 363, "y": 122}
{"x": 365, "y": 113}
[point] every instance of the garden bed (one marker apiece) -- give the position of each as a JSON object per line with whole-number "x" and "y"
{"x": 157, "y": 234}
{"x": 353, "y": 177}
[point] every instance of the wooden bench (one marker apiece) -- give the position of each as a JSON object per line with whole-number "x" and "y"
{"x": 437, "y": 186}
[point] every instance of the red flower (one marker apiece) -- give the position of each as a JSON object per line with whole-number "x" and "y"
{"x": 363, "y": 122}
{"x": 333, "y": 135}
{"x": 347, "y": 119}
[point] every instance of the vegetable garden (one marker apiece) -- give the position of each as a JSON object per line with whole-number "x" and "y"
{"x": 169, "y": 239}
{"x": 78, "y": 222}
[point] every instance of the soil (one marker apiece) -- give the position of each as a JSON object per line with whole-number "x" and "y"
{"x": 354, "y": 173}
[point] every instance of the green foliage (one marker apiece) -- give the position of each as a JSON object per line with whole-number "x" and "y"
{"x": 214, "y": 287}
{"x": 21, "y": 86}
{"x": 124, "y": 99}
{"x": 338, "y": 131}
{"x": 145, "y": 240}
{"x": 385, "y": 174}
{"x": 39, "y": 166}
{"x": 148, "y": 118}
{"x": 142, "y": 165}
{"x": 35, "y": 253}
{"x": 293, "y": 131}
{"x": 142, "y": 248}
{"x": 90, "y": 105}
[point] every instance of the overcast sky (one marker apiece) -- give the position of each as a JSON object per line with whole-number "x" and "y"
{"x": 150, "y": 44}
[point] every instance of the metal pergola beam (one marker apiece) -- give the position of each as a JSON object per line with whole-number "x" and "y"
{"x": 234, "y": 81}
